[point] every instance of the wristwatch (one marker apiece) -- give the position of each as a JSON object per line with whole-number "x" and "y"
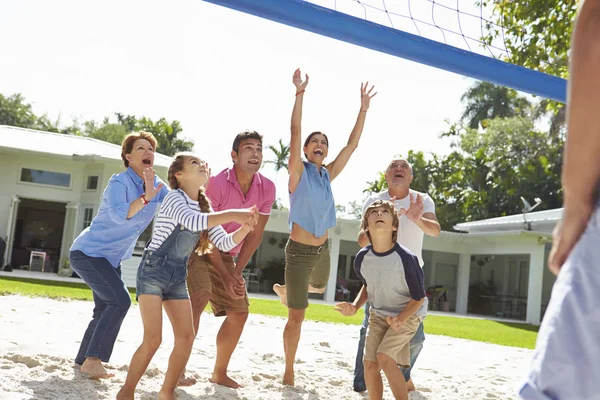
{"x": 143, "y": 199}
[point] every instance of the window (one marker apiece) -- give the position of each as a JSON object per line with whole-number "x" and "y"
{"x": 92, "y": 183}
{"x": 88, "y": 215}
{"x": 41, "y": 177}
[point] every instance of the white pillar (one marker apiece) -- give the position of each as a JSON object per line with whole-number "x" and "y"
{"x": 334, "y": 239}
{"x": 534, "y": 288}
{"x": 462, "y": 284}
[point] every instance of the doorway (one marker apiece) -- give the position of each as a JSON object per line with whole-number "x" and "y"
{"x": 36, "y": 236}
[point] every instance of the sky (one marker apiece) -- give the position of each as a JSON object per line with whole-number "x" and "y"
{"x": 220, "y": 72}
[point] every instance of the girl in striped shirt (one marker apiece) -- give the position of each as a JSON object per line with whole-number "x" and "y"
{"x": 185, "y": 221}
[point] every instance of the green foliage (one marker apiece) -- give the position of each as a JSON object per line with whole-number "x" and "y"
{"x": 282, "y": 153}
{"x": 15, "y": 111}
{"x": 503, "y": 158}
{"x": 537, "y": 33}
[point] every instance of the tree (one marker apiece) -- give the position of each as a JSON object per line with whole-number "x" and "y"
{"x": 537, "y": 33}
{"x": 14, "y": 111}
{"x": 488, "y": 101}
{"x": 282, "y": 154}
{"x": 166, "y": 133}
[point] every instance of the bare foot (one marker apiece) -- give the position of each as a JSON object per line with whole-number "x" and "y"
{"x": 288, "y": 379}
{"x": 183, "y": 381}
{"x": 166, "y": 395}
{"x": 122, "y": 395}
{"x": 410, "y": 386}
{"x": 224, "y": 380}
{"x": 94, "y": 368}
{"x": 281, "y": 292}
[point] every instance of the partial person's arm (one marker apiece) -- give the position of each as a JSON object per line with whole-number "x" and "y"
{"x": 251, "y": 243}
{"x": 581, "y": 166}
{"x": 429, "y": 224}
{"x": 176, "y": 208}
{"x": 337, "y": 165}
{"x": 233, "y": 289}
{"x": 295, "y": 165}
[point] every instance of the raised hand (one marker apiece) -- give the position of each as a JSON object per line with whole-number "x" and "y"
{"x": 151, "y": 191}
{"x": 297, "y": 79}
{"x": 395, "y": 323}
{"x": 415, "y": 210}
{"x": 345, "y": 309}
{"x": 366, "y": 96}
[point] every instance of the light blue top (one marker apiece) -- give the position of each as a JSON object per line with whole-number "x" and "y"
{"x": 312, "y": 205}
{"x": 111, "y": 235}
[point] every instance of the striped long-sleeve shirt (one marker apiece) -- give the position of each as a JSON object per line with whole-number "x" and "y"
{"x": 179, "y": 208}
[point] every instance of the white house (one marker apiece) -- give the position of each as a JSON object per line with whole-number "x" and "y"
{"x": 52, "y": 187}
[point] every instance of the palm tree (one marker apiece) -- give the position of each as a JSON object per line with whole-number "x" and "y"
{"x": 282, "y": 154}
{"x": 488, "y": 101}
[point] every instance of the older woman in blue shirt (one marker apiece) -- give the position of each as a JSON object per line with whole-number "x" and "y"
{"x": 128, "y": 205}
{"x": 312, "y": 212}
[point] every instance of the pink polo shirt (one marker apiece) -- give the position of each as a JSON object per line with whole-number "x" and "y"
{"x": 225, "y": 193}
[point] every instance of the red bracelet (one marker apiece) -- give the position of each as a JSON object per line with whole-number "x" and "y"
{"x": 143, "y": 199}
{"x": 297, "y": 93}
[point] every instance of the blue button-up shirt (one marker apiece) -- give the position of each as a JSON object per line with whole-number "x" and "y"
{"x": 312, "y": 205}
{"x": 112, "y": 235}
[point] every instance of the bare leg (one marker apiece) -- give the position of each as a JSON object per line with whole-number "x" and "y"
{"x": 291, "y": 338}
{"x": 180, "y": 315}
{"x": 410, "y": 386}
{"x": 373, "y": 380}
{"x": 281, "y": 292}
{"x": 199, "y": 300}
{"x": 151, "y": 310}
{"x": 227, "y": 340}
{"x": 394, "y": 376}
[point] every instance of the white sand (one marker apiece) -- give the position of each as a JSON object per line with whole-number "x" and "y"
{"x": 39, "y": 338}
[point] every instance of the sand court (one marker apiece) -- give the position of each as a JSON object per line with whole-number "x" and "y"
{"x": 38, "y": 340}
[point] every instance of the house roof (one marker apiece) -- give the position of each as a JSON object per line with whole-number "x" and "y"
{"x": 65, "y": 145}
{"x": 503, "y": 223}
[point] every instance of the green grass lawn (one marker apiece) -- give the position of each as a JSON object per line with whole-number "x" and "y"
{"x": 503, "y": 333}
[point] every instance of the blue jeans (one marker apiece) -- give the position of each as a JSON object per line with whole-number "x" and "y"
{"x": 416, "y": 344}
{"x": 111, "y": 303}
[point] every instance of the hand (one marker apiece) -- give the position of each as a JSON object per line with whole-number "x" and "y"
{"x": 232, "y": 287}
{"x": 365, "y": 97}
{"x": 567, "y": 233}
{"x": 395, "y": 323}
{"x": 345, "y": 309}
{"x": 297, "y": 79}
{"x": 415, "y": 210}
{"x": 151, "y": 191}
{"x": 246, "y": 215}
{"x": 240, "y": 287}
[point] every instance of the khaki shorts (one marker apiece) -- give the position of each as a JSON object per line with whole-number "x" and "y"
{"x": 381, "y": 338}
{"x": 203, "y": 277}
{"x": 305, "y": 265}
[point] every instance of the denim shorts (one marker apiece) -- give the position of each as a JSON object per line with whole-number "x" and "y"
{"x": 158, "y": 276}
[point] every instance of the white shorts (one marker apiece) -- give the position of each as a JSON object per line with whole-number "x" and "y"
{"x": 566, "y": 363}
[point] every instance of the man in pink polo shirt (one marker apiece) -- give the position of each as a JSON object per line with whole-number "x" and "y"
{"x": 217, "y": 277}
